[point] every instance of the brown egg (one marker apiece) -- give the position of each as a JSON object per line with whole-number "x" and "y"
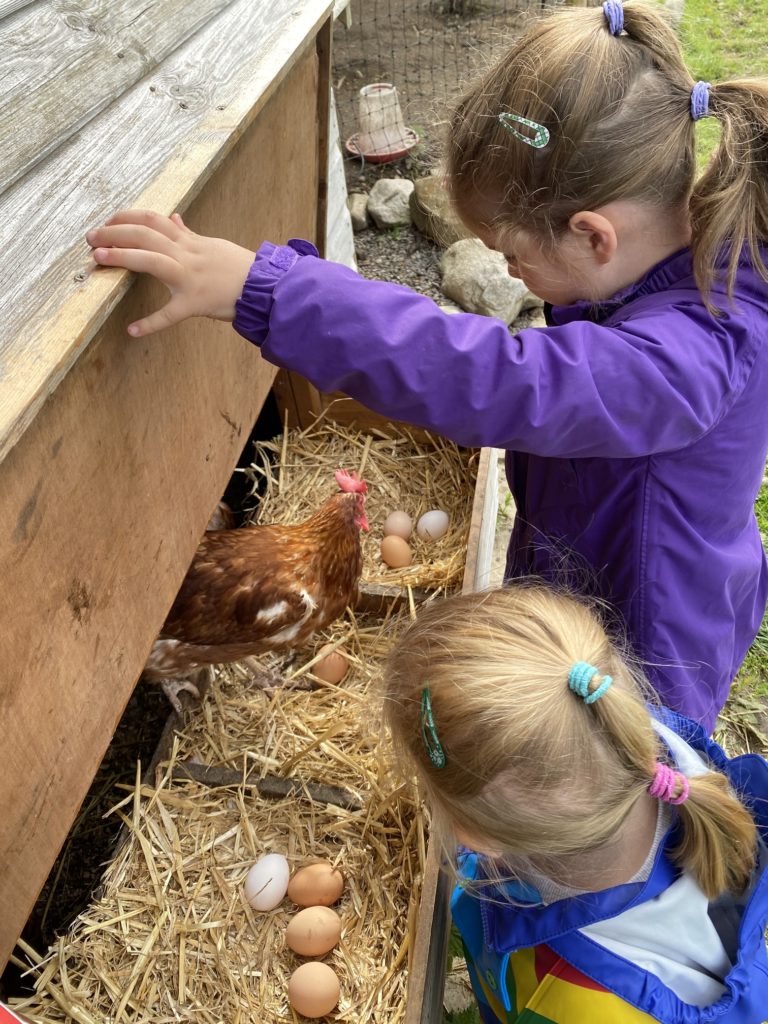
{"x": 395, "y": 552}
{"x": 333, "y": 666}
{"x": 313, "y": 931}
{"x": 313, "y": 989}
{"x": 316, "y": 885}
{"x": 398, "y": 524}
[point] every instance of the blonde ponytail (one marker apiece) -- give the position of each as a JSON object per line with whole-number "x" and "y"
{"x": 729, "y": 203}
{"x": 719, "y": 836}
{"x": 534, "y": 769}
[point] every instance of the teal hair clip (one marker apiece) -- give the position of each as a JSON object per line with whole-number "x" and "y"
{"x": 432, "y": 744}
{"x": 538, "y": 140}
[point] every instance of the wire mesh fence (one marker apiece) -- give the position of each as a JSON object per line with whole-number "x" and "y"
{"x": 427, "y": 50}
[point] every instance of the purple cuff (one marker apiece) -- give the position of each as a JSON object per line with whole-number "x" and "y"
{"x": 254, "y": 306}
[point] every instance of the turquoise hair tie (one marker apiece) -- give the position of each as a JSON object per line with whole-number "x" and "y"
{"x": 579, "y": 678}
{"x": 432, "y": 744}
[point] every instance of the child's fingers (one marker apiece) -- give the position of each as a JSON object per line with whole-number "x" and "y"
{"x": 172, "y": 313}
{"x": 162, "y": 267}
{"x": 176, "y": 218}
{"x": 149, "y": 219}
{"x": 131, "y": 236}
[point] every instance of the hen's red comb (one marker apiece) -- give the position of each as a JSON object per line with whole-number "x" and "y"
{"x": 349, "y": 481}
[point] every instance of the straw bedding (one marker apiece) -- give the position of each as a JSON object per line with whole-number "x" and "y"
{"x": 169, "y": 936}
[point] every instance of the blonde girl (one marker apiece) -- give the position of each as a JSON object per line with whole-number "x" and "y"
{"x": 608, "y": 870}
{"x": 636, "y": 422}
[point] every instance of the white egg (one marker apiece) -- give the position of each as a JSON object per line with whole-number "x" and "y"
{"x": 267, "y": 882}
{"x": 432, "y": 525}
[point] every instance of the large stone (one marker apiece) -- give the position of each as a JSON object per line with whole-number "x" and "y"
{"x": 388, "y": 202}
{"x": 357, "y": 203}
{"x": 476, "y": 277}
{"x": 531, "y": 301}
{"x": 433, "y": 213}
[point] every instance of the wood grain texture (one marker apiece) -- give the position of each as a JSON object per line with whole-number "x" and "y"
{"x": 427, "y": 972}
{"x": 155, "y": 146}
{"x": 65, "y": 61}
{"x": 106, "y": 494}
{"x": 324, "y": 44}
{"x": 304, "y": 403}
{"x": 482, "y": 530}
{"x": 8, "y": 7}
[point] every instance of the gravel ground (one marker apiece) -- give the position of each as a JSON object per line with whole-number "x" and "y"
{"x": 402, "y": 255}
{"x": 405, "y": 256}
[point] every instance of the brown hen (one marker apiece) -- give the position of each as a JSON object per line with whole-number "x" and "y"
{"x": 262, "y": 588}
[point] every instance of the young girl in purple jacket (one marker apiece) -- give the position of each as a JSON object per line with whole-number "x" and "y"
{"x": 636, "y": 422}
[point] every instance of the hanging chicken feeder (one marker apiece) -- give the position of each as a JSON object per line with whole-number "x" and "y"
{"x": 382, "y": 134}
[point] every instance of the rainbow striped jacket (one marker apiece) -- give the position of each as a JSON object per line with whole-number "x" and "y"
{"x": 544, "y": 964}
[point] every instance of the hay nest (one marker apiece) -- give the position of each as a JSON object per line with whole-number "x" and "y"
{"x": 169, "y": 936}
{"x": 295, "y": 475}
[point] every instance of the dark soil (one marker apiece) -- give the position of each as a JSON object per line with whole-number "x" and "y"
{"x": 88, "y": 847}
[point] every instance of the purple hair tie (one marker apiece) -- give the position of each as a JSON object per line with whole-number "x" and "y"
{"x": 665, "y": 781}
{"x": 700, "y": 100}
{"x": 614, "y": 14}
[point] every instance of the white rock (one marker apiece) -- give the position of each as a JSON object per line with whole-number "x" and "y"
{"x": 433, "y": 213}
{"x": 476, "y": 277}
{"x": 531, "y": 301}
{"x": 388, "y": 202}
{"x": 357, "y": 203}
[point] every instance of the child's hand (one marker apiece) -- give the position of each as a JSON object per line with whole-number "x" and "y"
{"x": 205, "y": 276}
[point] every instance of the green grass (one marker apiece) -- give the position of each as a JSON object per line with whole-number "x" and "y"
{"x": 722, "y": 39}
{"x": 743, "y": 723}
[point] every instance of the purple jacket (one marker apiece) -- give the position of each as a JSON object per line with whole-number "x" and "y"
{"x": 636, "y": 435}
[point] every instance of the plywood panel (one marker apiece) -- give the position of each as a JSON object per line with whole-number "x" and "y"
{"x": 106, "y": 494}
{"x": 156, "y": 146}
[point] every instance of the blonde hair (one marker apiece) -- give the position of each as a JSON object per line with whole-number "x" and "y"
{"x": 618, "y": 112}
{"x": 529, "y": 766}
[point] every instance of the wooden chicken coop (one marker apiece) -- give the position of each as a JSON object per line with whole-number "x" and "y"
{"x": 113, "y": 452}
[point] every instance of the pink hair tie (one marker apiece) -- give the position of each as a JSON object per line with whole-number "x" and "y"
{"x": 665, "y": 781}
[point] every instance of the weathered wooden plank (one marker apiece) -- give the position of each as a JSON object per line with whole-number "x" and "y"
{"x": 8, "y": 7}
{"x": 482, "y": 531}
{"x": 339, "y": 237}
{"x": 155, "y": 146}
{"x": 324, "y": 42}
{"x": 426, "y": 977}
{"x": 106, "y": 495}
{"x": 67, "y": 60}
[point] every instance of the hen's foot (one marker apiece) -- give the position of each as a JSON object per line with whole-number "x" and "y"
{"x": 173, "y": 687}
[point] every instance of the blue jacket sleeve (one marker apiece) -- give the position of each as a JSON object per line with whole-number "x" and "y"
{"x": 652, "y": 383}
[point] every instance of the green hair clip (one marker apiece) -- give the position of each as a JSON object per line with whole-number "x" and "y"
{"x": 432, "y": 744}
{"x": 539, "y": 140}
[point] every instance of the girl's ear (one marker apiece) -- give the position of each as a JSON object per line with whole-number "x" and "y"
{"x": 594, "y": 234}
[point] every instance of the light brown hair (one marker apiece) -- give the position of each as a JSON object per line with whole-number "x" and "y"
{"x": 618, "y": 112}
{"x": 530, "y": 767}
